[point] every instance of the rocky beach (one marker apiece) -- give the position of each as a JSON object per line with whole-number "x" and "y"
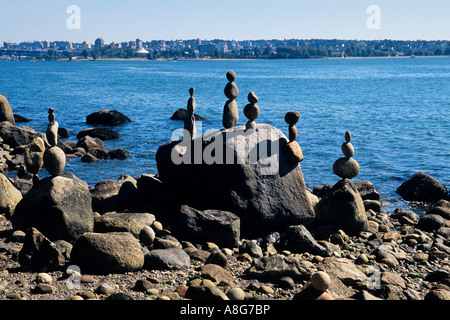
{"x": 227, "y": 217}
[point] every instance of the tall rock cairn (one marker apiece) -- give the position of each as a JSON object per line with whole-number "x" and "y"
{"x": 54, "y": 157}
{"x": 251, "y": 111}
{"x": 293, "y": 151}
{"x": 189, "y": 122}
{"x": 230, "y": 110}
{"x": 346, "y": 167}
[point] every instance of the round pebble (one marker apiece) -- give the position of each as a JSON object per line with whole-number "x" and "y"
{"x": 346, "y": 168}
{"x": 348, "y": 136}
{"x": 292, "y": 133}
{"x": 320, "y": 281}
{"x": 325, "y": 296}
{"x": 231, "y": 76}
{"x": 286, "y": 283}
{"x": 252, "y": 98}
{"x": 76, "y": 297}
{"x": 236, "y": 294}
{"x": 251, "y": 111}
{"x": 231, "y": 91}
{"x": 44, "y": 278}
{"x": 266, "y": 290}
{"x": 348, "y": 150}
{"x": 157, "y": 226}
{"x": 292, "y": 117}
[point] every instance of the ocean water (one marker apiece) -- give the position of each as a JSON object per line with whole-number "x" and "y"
{"x": 398, "y": 110}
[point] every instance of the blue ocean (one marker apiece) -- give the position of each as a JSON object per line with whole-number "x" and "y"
{"x": 397, "y": 109}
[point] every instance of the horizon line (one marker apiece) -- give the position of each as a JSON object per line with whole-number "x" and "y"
{"x": 260, "y": 39}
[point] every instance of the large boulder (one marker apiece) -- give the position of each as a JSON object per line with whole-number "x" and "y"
{"x": 107, "y": 118}
{"x": 104, "y": 253}
{"x": 59, "y": 207}
{"x": 6, "y": 113}
{"x": 422, "y": 187}
{"x": 243, "y": 172}
{"x": 167, "y": 259}
{"x": 183, "y": 114}
{"x": 299, "y": 239}
{"x": 100, "y": 133}
{"x": 342, "y": 207}
{"x": 38, "y": 253}
{"x": 9, "y": 196}
{"x": 123, "y": 222}
{"x": 220, "y": 227}
{"x": 89, "y": 143}
{"x": 16, "y": 136}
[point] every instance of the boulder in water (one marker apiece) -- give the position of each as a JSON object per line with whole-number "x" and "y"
{"x": 107, "y": 118}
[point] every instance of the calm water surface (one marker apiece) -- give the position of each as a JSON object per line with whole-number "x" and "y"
{"x": 398, "y": 110}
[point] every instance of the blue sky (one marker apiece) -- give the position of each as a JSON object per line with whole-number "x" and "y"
{"x": 27, "y": 20}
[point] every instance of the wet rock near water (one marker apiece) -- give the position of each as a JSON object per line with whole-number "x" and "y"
{"x": 183, "y": 114}
{"x": 108, "y": 118}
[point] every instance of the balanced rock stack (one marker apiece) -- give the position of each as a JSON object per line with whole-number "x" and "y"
{"x": 54, "y": 157}
{"x": 251, "y": 111}
{"x": 230, "y": 110}
{"x": 293, "y": 151}
{"x": 346, "y": 167}
{"x": 189, "y": 122}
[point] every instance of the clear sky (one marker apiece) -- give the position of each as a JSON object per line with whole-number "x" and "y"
{"x": 114, "y": 20}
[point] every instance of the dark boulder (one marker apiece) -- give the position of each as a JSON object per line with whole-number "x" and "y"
{"x": 88, "y": 143}
{"x": 422, "y": 187}
{"x": 245, "y": 173}
{"x": 119, "y": 154}
{"x": 107, "y": 118}
{"x": 220, "y": 227}
{"x": 183, "y": 114}
{"x": 19, "y": 118}
{"x": 38, "y": 253}
{"x": 101, "y": 133}
{"x": 16, "y": 136}
{"x": 298, "y": 239}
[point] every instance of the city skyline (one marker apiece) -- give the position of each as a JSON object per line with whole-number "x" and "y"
{"x": 50, "y": 20}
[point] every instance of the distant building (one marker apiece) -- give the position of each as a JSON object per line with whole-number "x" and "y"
{"x": 99, "y": 43}
{"x": 139, "y": 44}
{"x": 207, "y": 48}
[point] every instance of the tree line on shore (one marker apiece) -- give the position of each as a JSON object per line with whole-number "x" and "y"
{"x": 281, "y": 52}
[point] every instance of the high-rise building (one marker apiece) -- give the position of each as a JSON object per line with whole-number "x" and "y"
{"x": 99, "y": 43}
{"x": 139, "y": 44}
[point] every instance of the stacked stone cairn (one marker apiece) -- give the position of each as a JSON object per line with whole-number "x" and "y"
{"x": 293, "y": 151}
{"x": 230, "y": 110}
{"x": 251, "y": 111}
{"x": 346, "y": 167}
{"x": 54, "y": 157}
{"x": 189, "y": 122}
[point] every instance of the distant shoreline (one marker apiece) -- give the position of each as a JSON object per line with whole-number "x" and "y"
{"x": 237, "y": 59}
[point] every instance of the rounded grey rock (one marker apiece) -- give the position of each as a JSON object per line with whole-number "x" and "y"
{"x": 54, "y": 161}
{"x": 348, "y": 150}
{"x": 346, "y": 168}
{"x": 231, "y": 76}
{"x": 231, "y": 91}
